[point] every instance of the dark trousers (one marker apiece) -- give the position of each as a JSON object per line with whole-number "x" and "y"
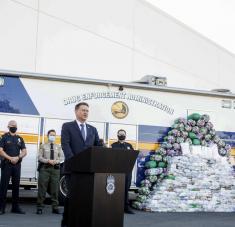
{"x": 48, "y": 177}
{"x": 10, "y": 171}
{"x": 127, "y": 187}
{"x": 66, "y": 202}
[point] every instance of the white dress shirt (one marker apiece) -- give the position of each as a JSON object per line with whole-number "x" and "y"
{"x": 79, "y": 125}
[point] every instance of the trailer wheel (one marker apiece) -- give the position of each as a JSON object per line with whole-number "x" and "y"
{"x": 63, "y": 190}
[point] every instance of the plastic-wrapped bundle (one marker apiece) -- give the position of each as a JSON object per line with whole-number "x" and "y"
{"x": 181, "y": 120}
{"x": 175, "y": 132}
{"x": 144, "y": 191}
{"x": 169, "y": 145}
{"x": 196, "y": 142}
{"x": 216, "y": 139}
{"x": 162, "y": 165}
{"x": 137, "y": 205}
{"x": 156, "y": 157}
{"x": 164, "y": 145}
{"x": 177, "y": 146}
{"x": 223, "y": 152}
{"x": 194, "y": 116}
{"x": 208, "y": 137}
{"x": 164, "y": 159}
{"x": 171, "y": 152}
{"x": 191, "y": 122}
{"x": 200, "y": 136}
{"x": 150, "y": 164}
{"x": 204, "y": 143}
{"x": 227, "y": 147}
{"x": 188, "y": 128}
{"x": 184, "y": 134}
{"x": 205, "y": 117}
{"x": 180, "y": 140}
{"x": 221, "y": 143}
{"x": 145, "y": 183}
{"x": 152, "y": 178}
{"x": 181, "y": 127}
{"x": 171, "y": 139}
{"x": 188, "y": 140}
{"x": 192, "y": 135}
{"x": 203, "y": 130}
{"x": 141, "y": 198}
{"x": 209, "y": 125}
{"x": 201, "y": 123}
{"x": 153, "y": 171}
{"x": 162, "y": 151}
{"x": 212, "y": 132}
{"x": 195, "y": 129}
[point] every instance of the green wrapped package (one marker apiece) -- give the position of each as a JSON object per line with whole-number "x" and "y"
{"x": 150, "y": 164}
{"x": 194, "y": 116}
{"x": 192, "y": 135}
{"x": 196, "y": 142}
{"x": 162, "y": 164}
{"x": 170, "y": 177}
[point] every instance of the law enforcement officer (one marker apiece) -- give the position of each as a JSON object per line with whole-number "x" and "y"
{"x": 12, "y": 151}
{"x": 121, "y": 134}
{"x": 49, "y": 157}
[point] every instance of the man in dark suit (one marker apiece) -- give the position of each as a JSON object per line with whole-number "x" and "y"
{"x": 76, "y": 136}
{"x": 121, "y": 143}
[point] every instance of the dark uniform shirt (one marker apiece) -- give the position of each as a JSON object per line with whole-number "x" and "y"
{"x": 124, "y": 145}
{"x": 12, "y": 144}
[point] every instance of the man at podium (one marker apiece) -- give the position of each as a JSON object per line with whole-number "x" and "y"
{"x": 76, "y": 136}
{"x": 121, "y": 134}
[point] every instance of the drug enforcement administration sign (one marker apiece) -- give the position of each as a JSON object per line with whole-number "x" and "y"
{"x": 110, "y": 185}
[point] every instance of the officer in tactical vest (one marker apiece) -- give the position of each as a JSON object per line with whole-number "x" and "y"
{"x": 49, "y": 157}
{"x": 12, "y": 151}
{"x": 121, "y": 134}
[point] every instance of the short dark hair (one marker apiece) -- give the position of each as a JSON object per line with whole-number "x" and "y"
{"x": 81, "y": 104}
{"x": 121, "y": 130}
{"x": 51, "y": 130}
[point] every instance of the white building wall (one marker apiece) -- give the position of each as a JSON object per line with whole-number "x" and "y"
{"x": 119, "y": 40}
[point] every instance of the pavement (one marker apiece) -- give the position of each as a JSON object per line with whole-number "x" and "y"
{"x": 139, "y": 219}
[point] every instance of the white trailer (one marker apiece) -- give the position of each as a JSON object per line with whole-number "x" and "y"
{"x": 41, "y": 102}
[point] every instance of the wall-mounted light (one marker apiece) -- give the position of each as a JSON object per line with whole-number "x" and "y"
{"x": 2, "y": 81}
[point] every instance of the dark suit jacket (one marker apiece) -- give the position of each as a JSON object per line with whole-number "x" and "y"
{"x": 72, "y": 141}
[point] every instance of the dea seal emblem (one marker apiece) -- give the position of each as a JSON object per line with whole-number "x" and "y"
{"x": 120, "y": 109}
{"x": 110, "y": 186}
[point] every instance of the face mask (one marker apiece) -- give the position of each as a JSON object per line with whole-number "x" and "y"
{"x": 13, "y": 129}
{"x": 51, "y": 138}
{"x": 121, "y": 137}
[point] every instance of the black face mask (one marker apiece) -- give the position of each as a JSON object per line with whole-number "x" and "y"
{"x": 121, "y": 137}
{"x": 13, "y": 129}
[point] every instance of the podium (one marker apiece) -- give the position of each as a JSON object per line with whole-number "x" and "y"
{"x": 97, "y": 185}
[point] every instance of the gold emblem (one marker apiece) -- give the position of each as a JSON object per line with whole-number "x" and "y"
{"x": 119, "y": 109}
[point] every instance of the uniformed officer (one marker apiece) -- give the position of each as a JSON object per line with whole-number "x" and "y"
{"x": 49, "y": 157}
{"x": 121, "y": 134}
{"x": 12, "y": 151}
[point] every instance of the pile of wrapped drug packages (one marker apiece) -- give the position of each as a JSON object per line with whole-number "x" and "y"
{"x": 195, "y": 183}
{"x": 189, "y": 172}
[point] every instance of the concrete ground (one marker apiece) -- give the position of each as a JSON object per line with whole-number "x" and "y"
{"x": 140, "y": 219}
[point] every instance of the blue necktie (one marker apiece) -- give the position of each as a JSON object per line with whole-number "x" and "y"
{"x": 83, "y": 132}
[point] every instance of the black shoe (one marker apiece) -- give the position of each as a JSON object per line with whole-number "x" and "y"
{"x": 56, "y": 211}
{"x": 39, "y": 211}
{"x": 128, "y": 211}
{"x": 17, "y": 211}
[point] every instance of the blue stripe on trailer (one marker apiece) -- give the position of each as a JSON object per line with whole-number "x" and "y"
{"x": 14, "y": 97}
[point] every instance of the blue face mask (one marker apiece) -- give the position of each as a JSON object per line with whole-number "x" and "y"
{"x": 51, "y": 138}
